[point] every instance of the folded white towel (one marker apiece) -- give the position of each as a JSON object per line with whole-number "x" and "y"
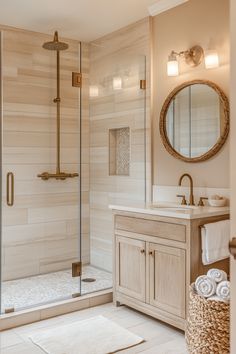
{"x": 205, "y": 286}
{"x": 215, "y": 240}
{"x": 217, "y": 274}
{"x": 223, "y": 290}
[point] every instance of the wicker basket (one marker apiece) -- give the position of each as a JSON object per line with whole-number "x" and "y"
{"x": 207, "y": 329}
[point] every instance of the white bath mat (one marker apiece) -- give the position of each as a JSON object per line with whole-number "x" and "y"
{"x": 96, "y": 335}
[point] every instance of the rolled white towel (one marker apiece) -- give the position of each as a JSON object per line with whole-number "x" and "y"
{"x": 205, "y": 286}
{"x": 216, "y": 298}
{"x": 223, "y": 290}
{"x": 217, "y": 274}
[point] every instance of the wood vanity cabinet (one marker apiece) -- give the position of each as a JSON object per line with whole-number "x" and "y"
{"x": 156, "y": 259}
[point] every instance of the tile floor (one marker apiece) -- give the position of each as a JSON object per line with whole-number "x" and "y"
{"x": 159, "y": 338}
{"x": 46, "y": 288}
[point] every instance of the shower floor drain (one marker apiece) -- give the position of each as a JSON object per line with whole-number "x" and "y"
{"x": 88, "y": 280}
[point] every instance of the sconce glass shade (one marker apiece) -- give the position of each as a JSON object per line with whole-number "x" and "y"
{"x": 211, "y": 59}
{"x": 93, "y": 91}
{"x": 172, "y": 66}
{"x": 117, "y": 83}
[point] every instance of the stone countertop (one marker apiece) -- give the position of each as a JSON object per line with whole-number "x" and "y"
{"x": 172, "y": 210}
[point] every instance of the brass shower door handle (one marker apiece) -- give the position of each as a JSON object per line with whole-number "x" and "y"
{"x": 10, "y": 189}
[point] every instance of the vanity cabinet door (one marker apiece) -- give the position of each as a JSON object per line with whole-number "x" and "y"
{"x": 167, "y": 278}
{"x": 130, "y": 267}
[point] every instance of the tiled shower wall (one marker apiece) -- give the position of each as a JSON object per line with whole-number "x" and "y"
{"x": 120, "y": 54}
{"x": 40, "y": 232}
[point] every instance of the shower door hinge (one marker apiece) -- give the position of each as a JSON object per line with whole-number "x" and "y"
{"x": 76, "y": 269}
{"x": 76, "y": 79}
{"x": 9, "y": 310}
{"x": 143, "y": 84}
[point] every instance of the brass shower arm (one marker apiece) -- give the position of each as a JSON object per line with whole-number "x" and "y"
{"x": 60, "y": 176}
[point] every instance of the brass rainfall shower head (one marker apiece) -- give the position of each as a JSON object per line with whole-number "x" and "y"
{"x": 55, "y": 44}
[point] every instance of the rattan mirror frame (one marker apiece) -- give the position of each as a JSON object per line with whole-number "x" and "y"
{"x": 220, "y": 142}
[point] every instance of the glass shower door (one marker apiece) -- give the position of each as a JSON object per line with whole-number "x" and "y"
{"x": 40, "y": 233}
{"x": 117, "y": 148}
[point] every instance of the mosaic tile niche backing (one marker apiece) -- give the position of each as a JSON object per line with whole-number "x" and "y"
{"x": 119, "y": 152}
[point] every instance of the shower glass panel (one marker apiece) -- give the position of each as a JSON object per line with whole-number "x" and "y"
{"x": 117, "y": 147}
{"x": 40, "y": 231}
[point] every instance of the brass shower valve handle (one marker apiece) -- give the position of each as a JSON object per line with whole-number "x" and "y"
{"x": 60, "y": 176}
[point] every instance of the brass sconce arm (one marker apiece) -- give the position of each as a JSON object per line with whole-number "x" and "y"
{"x": 179, "y": 54}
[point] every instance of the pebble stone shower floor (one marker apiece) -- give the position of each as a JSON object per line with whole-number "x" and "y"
{"x": 46, "y": 288}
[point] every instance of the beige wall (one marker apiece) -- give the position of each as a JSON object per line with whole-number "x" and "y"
{"x": 203, "y": 22}
{"x": 41, "y": 231}
{"x": 121, "y": 53}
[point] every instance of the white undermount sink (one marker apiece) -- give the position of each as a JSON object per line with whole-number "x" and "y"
{"x": 174, "y": 207}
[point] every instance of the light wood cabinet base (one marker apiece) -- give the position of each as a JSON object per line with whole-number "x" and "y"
{"x": 151, "y": 311}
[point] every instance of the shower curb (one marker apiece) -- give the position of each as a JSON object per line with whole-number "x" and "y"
{"x": 40, "y": 313}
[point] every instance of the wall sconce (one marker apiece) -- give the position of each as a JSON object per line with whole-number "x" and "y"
{"x": 211, "y": 59}
{"x": 193, "y": 57}
{"x": 172, "y": 65}
{"x": 117, "y": 83}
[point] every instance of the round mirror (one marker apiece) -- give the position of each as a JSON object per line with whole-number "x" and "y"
{"x": 194, "y": 122}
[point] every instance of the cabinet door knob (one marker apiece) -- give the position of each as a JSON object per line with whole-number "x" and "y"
{"x": 150, "y": 253}
{"x": 142, "y": 251}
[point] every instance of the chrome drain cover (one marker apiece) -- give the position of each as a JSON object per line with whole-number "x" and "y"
{"x": 88, "y": 280}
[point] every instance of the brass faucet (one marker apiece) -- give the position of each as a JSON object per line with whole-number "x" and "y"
{"x": 191, "y": 197}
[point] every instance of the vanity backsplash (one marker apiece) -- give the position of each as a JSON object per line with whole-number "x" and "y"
{"x": 168, "y": 193}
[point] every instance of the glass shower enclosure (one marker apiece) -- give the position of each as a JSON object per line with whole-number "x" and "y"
{"x": 40, "y": 160}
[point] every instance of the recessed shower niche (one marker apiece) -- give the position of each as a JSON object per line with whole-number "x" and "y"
{"x": 119, "y": 151}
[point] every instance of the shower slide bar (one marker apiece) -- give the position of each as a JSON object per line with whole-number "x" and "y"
{"x": 58, "y": 175}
